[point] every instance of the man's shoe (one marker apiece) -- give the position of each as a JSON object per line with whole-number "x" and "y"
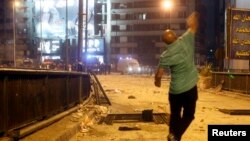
{"x": 171, "y": 137}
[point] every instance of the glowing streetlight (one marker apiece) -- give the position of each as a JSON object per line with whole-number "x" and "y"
{"x": 167, "y": 5}
{"x": 14, "y": 5}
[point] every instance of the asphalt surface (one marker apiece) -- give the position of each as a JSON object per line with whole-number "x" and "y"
{"x": 133, "y": 94}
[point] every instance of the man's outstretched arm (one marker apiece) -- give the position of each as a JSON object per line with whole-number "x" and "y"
{"x": 193, "y": 22}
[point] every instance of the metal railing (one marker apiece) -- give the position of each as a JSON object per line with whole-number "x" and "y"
{"x": 232, "y": 81}
{"x": 30, "y": 95}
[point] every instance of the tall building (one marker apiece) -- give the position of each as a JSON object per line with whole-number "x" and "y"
{"x": 134, "y": 27}
{"x": 130, "y": 28}
{"x": 14, "y": 32}
{"x": 47, "y": 30}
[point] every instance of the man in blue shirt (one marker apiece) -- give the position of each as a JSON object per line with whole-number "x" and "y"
{"x": 179, "y": 57}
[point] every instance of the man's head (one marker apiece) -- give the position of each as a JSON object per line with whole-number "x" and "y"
{"x": 169, "y": 36}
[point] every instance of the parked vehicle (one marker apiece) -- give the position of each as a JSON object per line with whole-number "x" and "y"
{"x": 128, "y": 66}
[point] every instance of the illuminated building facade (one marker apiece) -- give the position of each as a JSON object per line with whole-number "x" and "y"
{"x": 15, "y": 34}
{"x": 116, "y": 29}
{"x": 46, "y": 29}
{"x": 136, "y": 27}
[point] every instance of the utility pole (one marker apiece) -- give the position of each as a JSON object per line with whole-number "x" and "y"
{"x": 41, "y": 34}
{"x": 80, "y": 28}
{"x": 66, "y": 40}
{"x": 86, "y": 33}
{"x": 14, "y": 33}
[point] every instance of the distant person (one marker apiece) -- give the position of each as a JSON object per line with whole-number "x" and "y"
{"x": 80, "y": 66}
{"x": 108, "y": 67}
{"x": 183, "y": 94}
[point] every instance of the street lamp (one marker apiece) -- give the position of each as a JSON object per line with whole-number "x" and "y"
{"x": 167, "y": 5}
{"x": 14, "y": 5}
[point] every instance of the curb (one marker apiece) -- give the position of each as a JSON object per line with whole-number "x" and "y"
{"x": 6, "y": 139}
{"x": 38, "y": 126}
{"x": 69, "y": 133}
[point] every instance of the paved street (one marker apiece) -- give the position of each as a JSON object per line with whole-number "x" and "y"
{"x": 120, "y": 87}
{"x": 133, "y": 94}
